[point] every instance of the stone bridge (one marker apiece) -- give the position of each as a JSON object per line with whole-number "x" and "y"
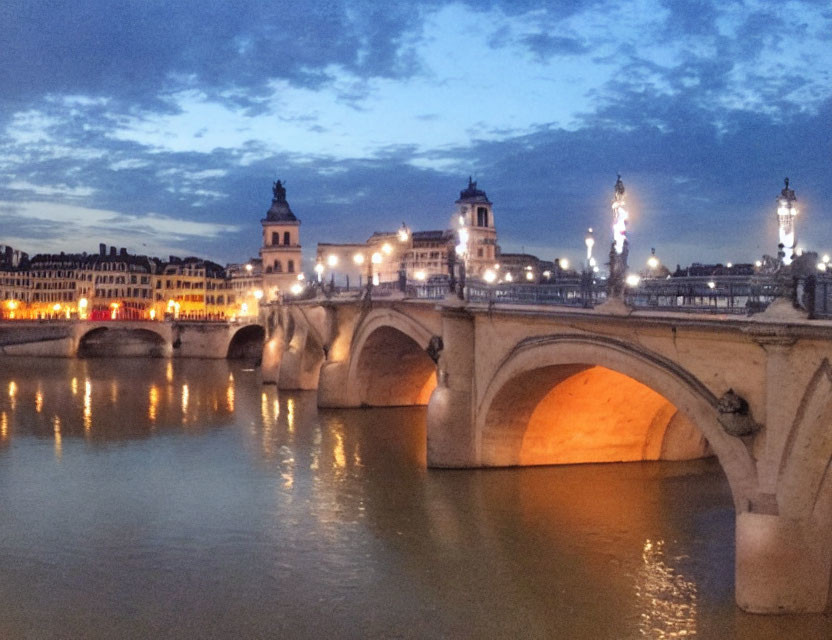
{"x": 508, "y": 386}
{"x": 68, "y": 338}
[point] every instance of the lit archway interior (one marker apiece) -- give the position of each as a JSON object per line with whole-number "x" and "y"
{"x": 582, "y": 413}
{"x": 393, "y": 370}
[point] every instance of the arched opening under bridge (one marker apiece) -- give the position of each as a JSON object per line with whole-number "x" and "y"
{"x": 566, "y": 414}
{"x": 247, "y": 343}
{"x": 106, "y": 342}
{"x": 392, "y": 369}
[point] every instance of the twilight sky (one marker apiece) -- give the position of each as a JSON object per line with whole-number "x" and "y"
{"x": 160, "y": 125}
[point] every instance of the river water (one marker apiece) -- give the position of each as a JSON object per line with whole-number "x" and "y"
{"x": 156, "y": 499}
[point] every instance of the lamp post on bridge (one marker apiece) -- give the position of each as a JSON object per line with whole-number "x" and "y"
{"x": 786, "y": 213}
{"x": 620, "y": 247}
{"x": 461, "y": 250}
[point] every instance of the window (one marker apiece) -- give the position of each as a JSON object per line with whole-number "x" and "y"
{"x": 291, "y": 266}
{"x": 482, "y": 217}
{"x": 286, "y": 238}
{"x": 275, "y": 237}
{"x": 278, "y": 266}
{"x": 479, "y": 252}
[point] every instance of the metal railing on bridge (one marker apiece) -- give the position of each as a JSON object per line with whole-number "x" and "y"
{"x": 742, "y": 295}
{"x": 739, "y": 295}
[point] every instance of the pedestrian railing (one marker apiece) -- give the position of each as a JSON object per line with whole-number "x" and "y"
{"x": 737, "y": 295}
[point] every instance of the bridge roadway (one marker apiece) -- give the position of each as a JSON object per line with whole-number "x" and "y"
{"x": 522, "y": 385}
{"x": 68, "y": 338}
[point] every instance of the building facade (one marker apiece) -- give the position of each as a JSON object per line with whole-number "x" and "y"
{"x": 281, "y": 251}
{"x": 419, "y": 255}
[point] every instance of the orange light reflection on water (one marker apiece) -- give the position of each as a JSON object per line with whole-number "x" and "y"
{"x": 56, "y": 429}
{"x": 87, "y": 405}
{"x": 667, "y": 598}
{"x": 153, "y": 403}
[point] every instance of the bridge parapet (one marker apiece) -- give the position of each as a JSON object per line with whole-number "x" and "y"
{"x": 723, "y": 294}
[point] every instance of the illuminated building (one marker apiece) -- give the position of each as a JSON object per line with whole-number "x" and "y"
{"x": 419, "y": 254}
{"x": 246, "y": 282}
{"x": 115, "y": 285}
{"x": 474, "y": 211}
{"x": 281, "y": 251}
{"x": 194, "y": 289}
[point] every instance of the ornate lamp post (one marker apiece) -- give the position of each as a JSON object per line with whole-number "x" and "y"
{"x": 786, "y": 213}
{"x": 404, "y": 236}
{"x": 403, "y": 233}
{"x": 620, "y": 249}
{"x": 461, "y": 251}
{"x": 590, "y": 242}
{"x": 358, "y": 260}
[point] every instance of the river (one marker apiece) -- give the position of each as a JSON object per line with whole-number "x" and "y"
{"x": 148, "y": 498}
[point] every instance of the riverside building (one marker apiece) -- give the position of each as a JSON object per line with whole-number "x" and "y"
{"x": 419, "y": 255}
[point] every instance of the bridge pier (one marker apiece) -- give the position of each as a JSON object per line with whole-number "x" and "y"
{"x": 333, "y": 387}
{"x": 451, "y": 433}
{"x": 782, "y": 565}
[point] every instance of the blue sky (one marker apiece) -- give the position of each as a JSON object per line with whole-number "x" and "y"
{"x": 161, "y": 125}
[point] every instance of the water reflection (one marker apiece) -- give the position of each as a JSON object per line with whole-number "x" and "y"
{"x": 668, "y": 599}
{"x": 87, "y": 412}
{"x": 235, "y": 510}
{"x": 56, "y": 429}
{"x": 93, "y": 403}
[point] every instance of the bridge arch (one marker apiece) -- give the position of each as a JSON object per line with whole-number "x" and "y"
{"x": 389, "y": 364}
{"x": 122, "y": 342}
{"x": 246, "y": 343}
{"x": 540, "y": 374}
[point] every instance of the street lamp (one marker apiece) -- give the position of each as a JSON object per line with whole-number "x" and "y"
{"x": 619, "y": 220}
{"x": 786, "y": 213}
{"x": 461, "y": 250}
{"x": 619, "y": 249}
{"x": 590, "y": 242}
{"x": 319, "y": 269}
{"x": 375, "y": 259}
{"x": 404, "y": 233}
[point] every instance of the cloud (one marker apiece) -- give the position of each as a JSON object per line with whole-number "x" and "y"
{"x": 42, "y": 227}
{"x": 546, "y": 46}
{"x": 376, "y": 112}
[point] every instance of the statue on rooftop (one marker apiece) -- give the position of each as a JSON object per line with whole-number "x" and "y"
{"x": 279, "y": 191}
